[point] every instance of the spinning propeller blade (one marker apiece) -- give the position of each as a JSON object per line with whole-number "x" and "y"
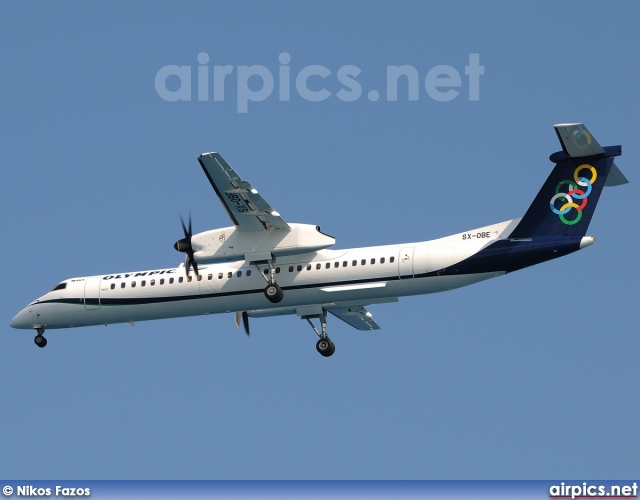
{"x": 245, "y": 321}
{"x": 184, "y": 245}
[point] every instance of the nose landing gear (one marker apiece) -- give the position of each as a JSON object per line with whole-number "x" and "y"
{"x": 40, "y": 340}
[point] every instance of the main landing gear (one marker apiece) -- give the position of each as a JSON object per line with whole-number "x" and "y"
{"x": 40, "y": 340}
{"x": 324, "y": 345}
{"x": 272, "y": 291}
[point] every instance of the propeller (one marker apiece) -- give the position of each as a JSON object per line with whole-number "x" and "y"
{"x": 184, "y": 245}
{"x": 245, "y": 321}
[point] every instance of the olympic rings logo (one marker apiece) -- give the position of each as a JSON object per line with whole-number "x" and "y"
{"x": 574, "y": 193}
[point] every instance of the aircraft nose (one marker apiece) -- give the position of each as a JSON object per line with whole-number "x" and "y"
{"x": 22, "y": 319}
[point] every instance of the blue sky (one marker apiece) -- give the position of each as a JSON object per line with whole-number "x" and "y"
{"x": 532, "y": 375}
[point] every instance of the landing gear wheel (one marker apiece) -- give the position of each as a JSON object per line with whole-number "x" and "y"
{"x": 274, "y": 293}
{"x": 40, "y": 341}
{"x": 325, "y": 347}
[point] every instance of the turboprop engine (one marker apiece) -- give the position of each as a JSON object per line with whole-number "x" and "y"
{"x": 231, "y": 244}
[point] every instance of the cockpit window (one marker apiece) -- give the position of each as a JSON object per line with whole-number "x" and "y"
{"x": 61, "y": 286}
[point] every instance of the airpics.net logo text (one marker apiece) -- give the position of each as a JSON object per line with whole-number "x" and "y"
{"x": 314, "y": 83}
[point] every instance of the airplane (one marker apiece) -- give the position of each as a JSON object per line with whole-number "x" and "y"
{"x": 263, "y": 266}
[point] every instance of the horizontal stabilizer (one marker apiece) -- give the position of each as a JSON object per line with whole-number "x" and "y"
{"x": 616, "y": 177}
{"x": 577, "y": 141}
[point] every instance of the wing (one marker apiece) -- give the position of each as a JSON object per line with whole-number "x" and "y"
{"x": 247, "y": 209}
{"x": 353, "y": 313}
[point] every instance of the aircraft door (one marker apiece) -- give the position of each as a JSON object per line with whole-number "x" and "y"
{"x": 405, "y": 263}
{"x": 92, "y": 293}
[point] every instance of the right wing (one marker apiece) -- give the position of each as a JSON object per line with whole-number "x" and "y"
{"x": 247, "y": 209}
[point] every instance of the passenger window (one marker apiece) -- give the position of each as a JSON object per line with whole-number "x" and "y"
{"x": 152, "y": 282}
{"x": 344, "y": 263}
{"x": 229, "y": 274}
{"x": 144, "y": 283}
{"x": 381, "y": 260}
{"x": 220, "y": 276}
{"x": 210, "y": 277}
{"x": 363, "y": 262}
{"x": 392, "y": 259}
{"x": 290, "y": 269}
{"x": 336, "y": 264}
{"x": 277, "y": 270}
{"x": 299, "y": 267}
{"x": 123, "y": 284}
{"x": 308, "y": 267}
{"x": 249, "y": 272}
{"x": 180, "y": 279}
{"x": 318, "y": 266}
{"x": 373, "y": 261}
{"x": 171, "y": 281}
{"x": 354, "y": 262}
{"x": 239, "y": 274}
{"x": 327, "y": 265}
{"x": 162, "y": 281}
{"x": 113, "y": 285}
{"x": 133, "y": 284}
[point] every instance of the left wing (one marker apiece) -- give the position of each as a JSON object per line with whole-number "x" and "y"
{"x": 247, "y": 209}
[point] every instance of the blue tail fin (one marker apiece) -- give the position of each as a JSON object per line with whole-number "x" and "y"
{"x": 565, "y": 204}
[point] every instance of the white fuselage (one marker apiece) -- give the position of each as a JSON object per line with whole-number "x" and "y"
{"x": 324, "y": 277}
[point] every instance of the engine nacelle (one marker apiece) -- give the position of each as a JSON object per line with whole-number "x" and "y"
{"x": 230, "y": 244}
